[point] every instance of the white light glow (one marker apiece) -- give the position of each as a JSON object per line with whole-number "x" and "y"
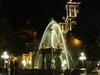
{"x": 5, "y": 55}
{"x": 82, "y": 57}
{"x": 24, "y": 63}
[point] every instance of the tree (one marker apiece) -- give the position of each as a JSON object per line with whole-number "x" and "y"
{"x": 6, "y": 30}
{"x": 87, "y": 28}
{"x": 19, "y": 47}
{"x": 16, "y": 45}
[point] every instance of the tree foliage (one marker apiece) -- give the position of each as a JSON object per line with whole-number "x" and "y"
{"x": 18, "y": 47}
{"x": 6, "y": 30}
{"x": 87, "y": 28}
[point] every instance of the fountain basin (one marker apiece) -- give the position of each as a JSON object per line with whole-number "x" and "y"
{"x": 50, "y": 72}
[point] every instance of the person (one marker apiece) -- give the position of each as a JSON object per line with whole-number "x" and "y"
{"x": 11, "y": 67}
{"x": 16, "y": 67}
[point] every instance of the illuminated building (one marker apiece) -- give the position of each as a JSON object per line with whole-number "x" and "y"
{"x": 72, "y": 10}
{"x": 26, "y": 60}
{"x": 29, "y": 35}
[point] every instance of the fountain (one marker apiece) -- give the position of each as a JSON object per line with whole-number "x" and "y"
{"x": 52, "y": 53}
{"x": 52, "y": 57}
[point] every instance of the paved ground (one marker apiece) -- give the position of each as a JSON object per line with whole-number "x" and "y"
{"x": 81, "y": 74}
{"x": 98, "y": 72}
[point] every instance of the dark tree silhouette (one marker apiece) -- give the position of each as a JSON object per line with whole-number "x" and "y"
{"x": 87, "y": 29}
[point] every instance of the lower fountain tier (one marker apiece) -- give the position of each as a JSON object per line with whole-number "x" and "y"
{"x": 50, "y": 50}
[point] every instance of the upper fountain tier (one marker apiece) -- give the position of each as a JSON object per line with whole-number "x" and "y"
{"x": 52, "y": 37}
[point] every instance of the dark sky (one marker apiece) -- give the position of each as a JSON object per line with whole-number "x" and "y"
{"x": 39, "y": 12}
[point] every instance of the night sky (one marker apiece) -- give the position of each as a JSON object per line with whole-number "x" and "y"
{"x": 39, "y": 12}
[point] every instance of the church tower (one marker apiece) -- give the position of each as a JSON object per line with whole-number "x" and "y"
{"x": 72, "y": 10}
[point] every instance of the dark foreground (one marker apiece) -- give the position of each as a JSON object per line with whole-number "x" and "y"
{"x": 50, "y": 72}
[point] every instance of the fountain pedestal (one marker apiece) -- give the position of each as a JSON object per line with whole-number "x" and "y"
{"x": 50, "y": 54}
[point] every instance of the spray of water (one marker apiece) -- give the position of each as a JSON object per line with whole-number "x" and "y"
{"x": 53, "y": 37}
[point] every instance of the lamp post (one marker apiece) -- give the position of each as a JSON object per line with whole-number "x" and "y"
{"x": 5, "y": 56}
{"x": 82, "y": 57}
{"x": 24, "y": 63}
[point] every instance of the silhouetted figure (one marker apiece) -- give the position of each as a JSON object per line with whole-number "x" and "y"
{"x": 16, "y": 67}
{"x": 11, "y": 67}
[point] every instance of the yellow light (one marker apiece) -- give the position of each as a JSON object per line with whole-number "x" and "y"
{"x": 76, "y": 41}
{"x": 62, "y": 27}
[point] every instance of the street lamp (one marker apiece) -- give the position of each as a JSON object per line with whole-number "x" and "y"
{"x": 82, "y": 57}
{"x": 5, "y": 56}
{"x": 24, "y": 63}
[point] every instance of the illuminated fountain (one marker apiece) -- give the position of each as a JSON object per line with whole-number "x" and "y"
{"x": 52, "y": 53}
{"x": 52, "y": 57}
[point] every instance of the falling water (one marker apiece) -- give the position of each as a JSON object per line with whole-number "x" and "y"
{"x": 52, "y": 38}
